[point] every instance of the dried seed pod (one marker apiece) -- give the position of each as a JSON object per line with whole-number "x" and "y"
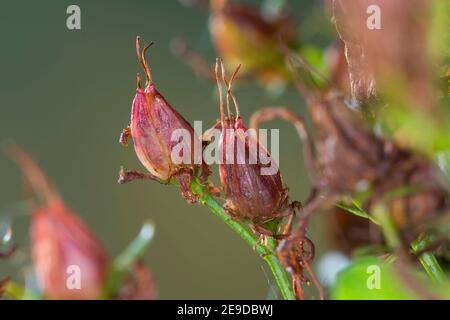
{"x": 251, "y": 194}
{"x": 346, "y": 158}
{"x": 61, "y": 244}
{"x": 242, "y": 35}
{"x": 349, "y": 158}
{"x": 153, "y": 123}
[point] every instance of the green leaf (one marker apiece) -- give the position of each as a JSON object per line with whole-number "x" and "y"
{"x": 125, "y": 261}
{"x": 356, "y": 209}
{"x": 370, "y": 278}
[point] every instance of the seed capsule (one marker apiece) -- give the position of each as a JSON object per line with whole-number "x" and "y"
{"x": 242, "y": 35}
{"x": 153, "y": 123}
{"x": 65, "y": 253}
{"x": 348, "y": 158}
{"x": 250, "y": 194}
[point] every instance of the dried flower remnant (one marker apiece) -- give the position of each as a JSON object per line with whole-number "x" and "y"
{"x": 60, "y": 240}
{"x": 153, "y": 121}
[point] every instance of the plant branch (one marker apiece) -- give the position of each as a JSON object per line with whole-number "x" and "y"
{"x": 267, "y": 252}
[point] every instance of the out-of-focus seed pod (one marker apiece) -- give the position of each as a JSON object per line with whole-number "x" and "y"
{"x": 250, "y": 194}
{"x": 242, "y": 35}
{"x": 351, "y": 158}
{"x": 139, "y": 285}
{"x": 348, "y": 158}
{"x": 153, "y": 123}
{"x": 69, "y": 261}
{"x": 394, "y": 57}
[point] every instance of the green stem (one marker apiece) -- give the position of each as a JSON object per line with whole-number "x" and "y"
{"x": 429, "y": 261}
{"x": 387, "y": 227}
{"x": 268, "y": 252}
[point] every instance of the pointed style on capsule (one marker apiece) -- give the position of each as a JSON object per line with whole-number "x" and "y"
{"x": 153, "y": 124}
{"x": 251, "y": 195}
{"x": 64, "y": 252}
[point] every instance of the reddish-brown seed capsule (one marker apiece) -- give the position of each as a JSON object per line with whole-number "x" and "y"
{"x": 153, "y": 123}
{"x": 348, "y": 158}
{"x": 3, "y": 284}
{"x": 63, "y": 248}
{"x": 250, "y": 193}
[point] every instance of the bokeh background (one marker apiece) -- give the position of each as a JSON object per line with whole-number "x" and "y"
{"x": 65, "y": 97}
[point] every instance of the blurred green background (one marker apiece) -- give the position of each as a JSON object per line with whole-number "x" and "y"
{"x": 65, "y": 97}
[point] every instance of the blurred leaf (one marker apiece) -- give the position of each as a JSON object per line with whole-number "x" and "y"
{"x": 125, "y": 261}
{"x": 439, "y": 33}
{"x": 359, "y": 281}
{"x": 314, "y": 56}
{"x": 136, "y": 249}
